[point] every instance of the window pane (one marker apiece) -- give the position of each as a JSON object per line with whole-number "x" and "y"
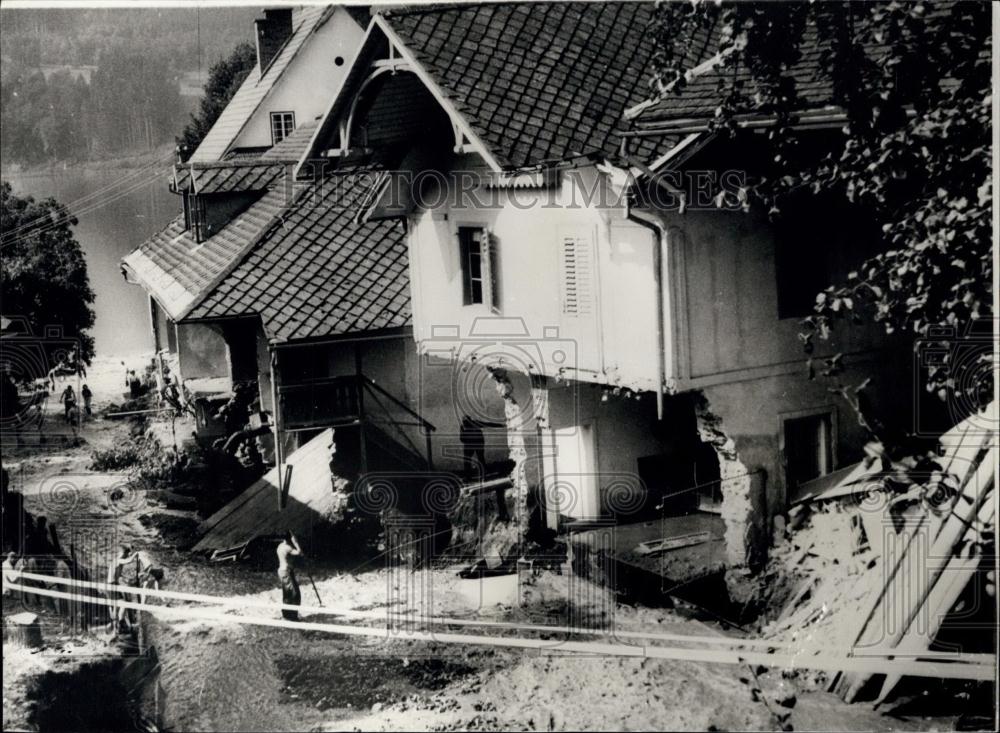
{"x": 475, "y": 264}
{"x": 477, "y": 291}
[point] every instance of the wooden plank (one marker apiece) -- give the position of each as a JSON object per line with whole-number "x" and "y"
{"x": 672, "y": 543}
{"x": 310, "y": 494}
{"x": 903, "y": 591}
{"x": 960, "y": 570}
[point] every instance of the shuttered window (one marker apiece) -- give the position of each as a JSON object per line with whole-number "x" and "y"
{"x": 577, "y": 275}
{"x": 480, "y": 262}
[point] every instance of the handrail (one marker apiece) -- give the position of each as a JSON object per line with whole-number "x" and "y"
{"x": 425, "y": 423}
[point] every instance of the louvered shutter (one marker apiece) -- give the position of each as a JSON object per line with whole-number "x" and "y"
{"x": 577, "y": 254}
{"x": 491, "y": 260}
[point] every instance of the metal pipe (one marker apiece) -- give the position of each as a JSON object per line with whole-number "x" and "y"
{"x": 660, "y": 260}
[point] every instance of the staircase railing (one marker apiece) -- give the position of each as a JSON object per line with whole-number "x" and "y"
{"x": 356, "y": 399}
{"x": 397, "y": 419}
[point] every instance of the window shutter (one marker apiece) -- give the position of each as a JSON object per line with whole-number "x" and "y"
{"x": 491, "y": 261}
{"x": 577, "y": 275}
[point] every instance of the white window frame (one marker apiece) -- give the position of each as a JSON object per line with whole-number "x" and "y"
{"x": 281, "y": 118}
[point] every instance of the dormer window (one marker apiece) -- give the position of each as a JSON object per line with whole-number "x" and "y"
{"x": 282, "y": 124}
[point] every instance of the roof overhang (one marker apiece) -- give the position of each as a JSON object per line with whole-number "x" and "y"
{"x": 365, "y": 61}
{"x": 169, "y": 294}
{"x": 821, "y": 117}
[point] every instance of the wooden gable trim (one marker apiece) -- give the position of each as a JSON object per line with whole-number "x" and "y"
{"x": 474, "y": 142}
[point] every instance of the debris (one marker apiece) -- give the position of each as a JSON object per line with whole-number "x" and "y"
{"x": 23, "y": 630}
{"x": 846, "y": 566}
{"x": 672, "y": 543}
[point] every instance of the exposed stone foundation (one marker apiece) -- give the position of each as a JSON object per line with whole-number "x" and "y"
{"x": 743, "y": 500}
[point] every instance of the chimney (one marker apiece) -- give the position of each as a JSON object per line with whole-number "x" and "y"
{"x": 272, "y": 31}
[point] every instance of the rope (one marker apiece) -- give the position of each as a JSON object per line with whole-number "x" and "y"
{"x": 956, "y": 670}
{"x": 446, "y": 621}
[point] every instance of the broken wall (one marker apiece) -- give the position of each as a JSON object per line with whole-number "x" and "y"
{"x": 754, "y": 412}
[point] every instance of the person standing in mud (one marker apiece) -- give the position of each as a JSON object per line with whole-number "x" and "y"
{"x": 114, "y": 577}
{"x": 147, "y": 574}
{"x": 68, "y": 398}
{"x": 290, "y": 593}
{"x": 88, "y": 398}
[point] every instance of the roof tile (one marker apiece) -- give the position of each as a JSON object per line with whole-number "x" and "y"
{"x": 517, "y": 57}
{"x": 313, "y": 276}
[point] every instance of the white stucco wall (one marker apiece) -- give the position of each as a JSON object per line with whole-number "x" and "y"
{"x": 616, "y": 342}
{"x": 309, "y": 82}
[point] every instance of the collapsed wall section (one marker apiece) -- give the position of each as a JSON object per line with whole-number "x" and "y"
{"x": 744, "y": 507}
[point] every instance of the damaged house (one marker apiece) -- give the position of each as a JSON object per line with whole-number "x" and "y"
{"x": 270, "y": 292}
{"x": 476, "y": 236}
{"x": 644, "y": 354}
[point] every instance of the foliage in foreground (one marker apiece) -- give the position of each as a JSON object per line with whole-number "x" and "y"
{"x": 913, "y": 80}
{"x": 43, "y": 274}
{"x": 147, "y": 462}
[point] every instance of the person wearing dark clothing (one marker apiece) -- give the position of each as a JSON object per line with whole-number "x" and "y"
{"x": 88, "y": 397}
{"x": 289, "y": 548}
{"x": 68, "y": 398}
{"x": 134, "y": 385}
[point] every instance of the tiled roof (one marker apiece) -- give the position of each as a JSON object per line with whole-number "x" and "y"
{"x": 320, "y": 273}
{"x": 536, "y": 82}
{"x": 227, "y": 177}
{"x": 256, "y": 86}
{"x": 177, "y": 270}
{"x": 252, "y": 170}
{"x": 699, "y": 98}
{"x": 244, "y": 155}
{"x": 291, "y": 148}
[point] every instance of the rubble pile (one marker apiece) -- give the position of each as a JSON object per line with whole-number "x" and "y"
{"x": 879, "y": 561}
{"x": 820, "y": 575}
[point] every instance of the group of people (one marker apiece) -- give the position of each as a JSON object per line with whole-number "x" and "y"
{"x": 157, "y": 380}
{"x": 68, "y": 400}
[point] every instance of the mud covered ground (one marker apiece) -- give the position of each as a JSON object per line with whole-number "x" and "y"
{"x": 220, "y": 675}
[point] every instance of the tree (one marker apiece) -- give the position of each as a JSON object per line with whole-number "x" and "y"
{"x": 43, "y": 274}
{"x": 913, "y": 81}
{"x": 224, "y": 78}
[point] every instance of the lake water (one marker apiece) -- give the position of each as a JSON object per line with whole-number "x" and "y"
{"x": 117, "y": 209}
